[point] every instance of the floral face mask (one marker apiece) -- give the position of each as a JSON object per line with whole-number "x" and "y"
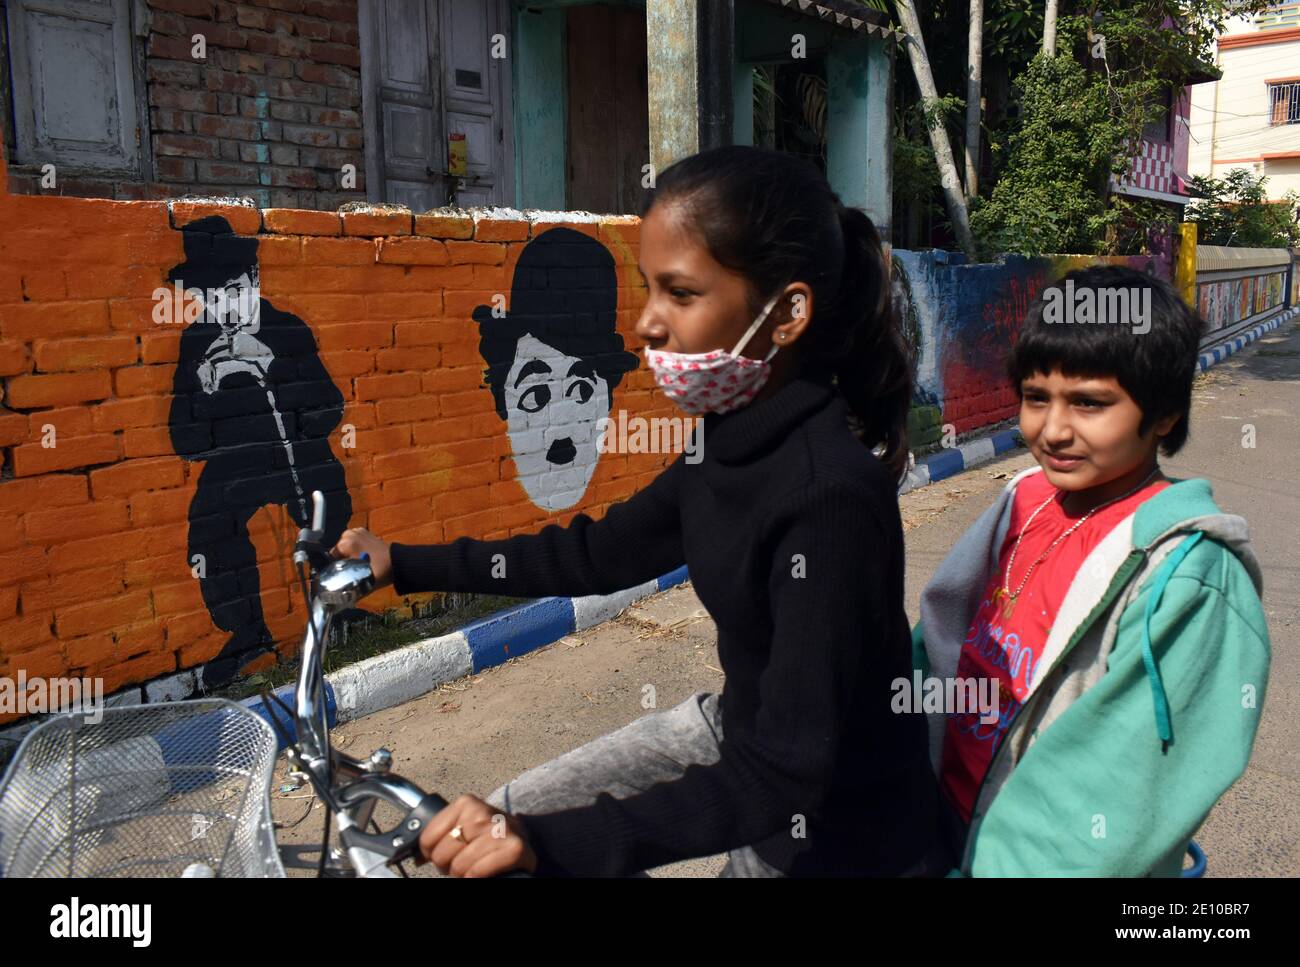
{"x": 716, "y": 381}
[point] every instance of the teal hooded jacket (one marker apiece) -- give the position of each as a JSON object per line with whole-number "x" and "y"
{"x": 1146, "y": 699}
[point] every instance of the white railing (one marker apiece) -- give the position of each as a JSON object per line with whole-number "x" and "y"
{"x": 1279, "y": 15}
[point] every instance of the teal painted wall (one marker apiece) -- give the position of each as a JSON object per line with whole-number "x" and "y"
{"x": 857, "y": 111}
{"x": 858, "y": 142}
{"x": 539, "y": 108}
{"x": 858, "y": 72}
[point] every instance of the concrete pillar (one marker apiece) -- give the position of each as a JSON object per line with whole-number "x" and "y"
{"x": 689, "y": 62}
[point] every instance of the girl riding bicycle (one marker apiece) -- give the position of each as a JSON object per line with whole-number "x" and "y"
{"x": 791, "y": 531}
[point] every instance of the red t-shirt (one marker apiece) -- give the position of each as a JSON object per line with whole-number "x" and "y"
{"x": 1007, "y": 649}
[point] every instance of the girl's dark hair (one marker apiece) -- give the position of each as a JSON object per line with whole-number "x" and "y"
{"x": 1154, "y": 359}
{"x": 774, "y": 219}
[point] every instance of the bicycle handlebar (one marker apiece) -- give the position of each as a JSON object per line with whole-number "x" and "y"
{"x": 317, "y": 511}
{"x": 335, "y": 586}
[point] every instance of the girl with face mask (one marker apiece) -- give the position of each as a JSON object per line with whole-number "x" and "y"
{"x": 768, "y": 313}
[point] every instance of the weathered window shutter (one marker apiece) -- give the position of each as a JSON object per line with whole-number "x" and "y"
{"x": 74, "y": 90}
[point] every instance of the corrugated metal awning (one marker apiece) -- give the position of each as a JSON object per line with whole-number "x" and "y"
{"x": 1219, "y": 258}
{"x": 843, "y": 14}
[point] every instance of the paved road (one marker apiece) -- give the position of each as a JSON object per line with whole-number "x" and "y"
{"x": 473, "y": 735}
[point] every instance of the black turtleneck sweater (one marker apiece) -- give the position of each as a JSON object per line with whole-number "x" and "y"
{"x": 791, "y": 532}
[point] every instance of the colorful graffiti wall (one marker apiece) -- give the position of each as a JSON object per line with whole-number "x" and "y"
{"x": 1226, "y": 302}
{"x": 963, "y": 319}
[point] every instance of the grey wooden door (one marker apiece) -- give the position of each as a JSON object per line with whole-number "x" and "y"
{"x": 476, "y": 94}
{"x": 73, "y": 83}
{"x": 427, "y": 71}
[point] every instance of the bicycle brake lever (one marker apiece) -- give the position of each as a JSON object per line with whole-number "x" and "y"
{"x": 401, "y": 842}
{"x": 310, "y": 550}
{"x": 309, "y": 546}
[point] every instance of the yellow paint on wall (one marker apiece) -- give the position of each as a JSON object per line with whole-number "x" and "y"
{"x": 1185, "y": 263}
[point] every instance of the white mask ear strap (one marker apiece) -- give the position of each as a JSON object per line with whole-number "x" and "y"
{"x": 753, "y": 328}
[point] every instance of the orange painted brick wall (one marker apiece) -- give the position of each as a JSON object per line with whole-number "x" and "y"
{"x": 94, "y": 579}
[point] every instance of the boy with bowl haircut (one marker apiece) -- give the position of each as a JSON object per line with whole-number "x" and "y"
{"x": 1118, "y": 611}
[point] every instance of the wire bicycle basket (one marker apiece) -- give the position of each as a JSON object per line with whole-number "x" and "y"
{"x": 170, "y": 789}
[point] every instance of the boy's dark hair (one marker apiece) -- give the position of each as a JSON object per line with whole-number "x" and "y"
{"x": 1155, "y": 367}
{"x": 774, "y": 219}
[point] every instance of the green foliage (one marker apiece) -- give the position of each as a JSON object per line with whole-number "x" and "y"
{"x": 765, "y": 102}
{"x": 916, "y": 174}
{"x": 1051, "y": 196}
{"x": 1234, "y": 210}
{"x": 1130, "y": 224}
{"x": 1073, "y": 123}
{"x": 1013, "y": 30}
{"x": 1082, "y": 116}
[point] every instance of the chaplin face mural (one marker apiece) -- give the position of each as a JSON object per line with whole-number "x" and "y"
{"x": 554, "y": 360}
{"x": 254, "y": 403}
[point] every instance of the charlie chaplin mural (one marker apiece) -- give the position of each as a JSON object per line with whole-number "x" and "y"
{"x": 254, "y": 402}
{"x": 553, "y": 361}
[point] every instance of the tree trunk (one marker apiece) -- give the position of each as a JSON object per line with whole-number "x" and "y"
{"x": 939, "y": 142}
{"x": 974, "y": 61}
{"x": 1049, "y": 29}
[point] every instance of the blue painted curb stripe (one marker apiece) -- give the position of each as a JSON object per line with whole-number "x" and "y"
{"x": 949, "y": 463}
{"x": 945, "y": 464}
{"x": 673, "y": 578}
{"x": 1006, "y": 440}
{"x": 496, "y": 639}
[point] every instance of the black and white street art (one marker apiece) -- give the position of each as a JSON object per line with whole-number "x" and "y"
{"x": 553, "y": 361}
{"x": 254, "y": 403}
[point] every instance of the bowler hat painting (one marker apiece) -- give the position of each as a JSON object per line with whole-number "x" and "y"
{"x": 553, "y": 362}
{"x": 253, "y": 401}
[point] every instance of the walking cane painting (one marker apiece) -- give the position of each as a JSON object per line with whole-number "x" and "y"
{"x": 254, "y": 402}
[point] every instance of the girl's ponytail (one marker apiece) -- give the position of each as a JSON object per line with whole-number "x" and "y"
{"x": 873, "y": 368}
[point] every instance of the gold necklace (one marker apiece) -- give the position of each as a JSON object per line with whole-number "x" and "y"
{"x": 1004, "y": 593}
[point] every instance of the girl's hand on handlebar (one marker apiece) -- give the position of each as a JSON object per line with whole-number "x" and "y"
{"x": 490, "y": 842}
{"x": 358, "y": 541}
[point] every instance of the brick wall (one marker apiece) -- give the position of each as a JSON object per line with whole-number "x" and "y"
{"x": 272, "y": 112}
{"x": 94, "y": 576}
